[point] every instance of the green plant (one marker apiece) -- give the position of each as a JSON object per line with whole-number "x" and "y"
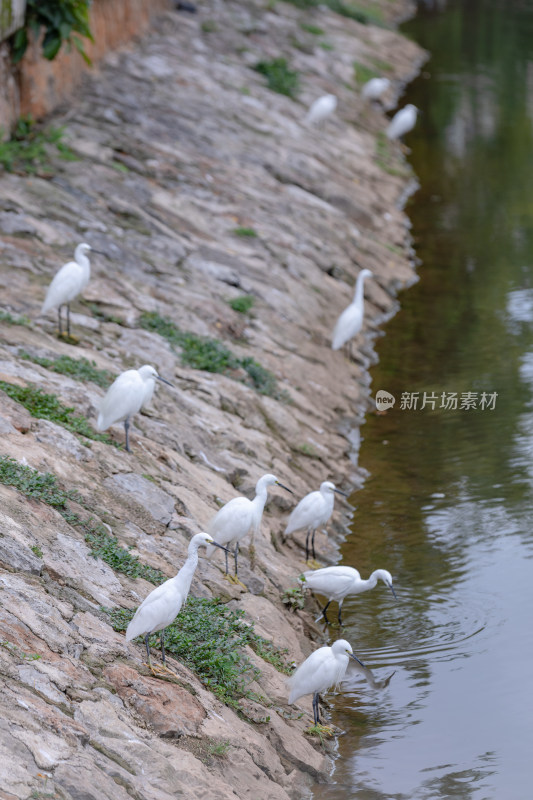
{"x": 210, "y": 639}
{"x": 81, "y": 369}
{"x": 243, "y": 303}
{"x": 307, "y": 450}
{"x": 5, "y": 316}
{"x": 293, "y": 598}
{"x": 209, "y": 26}
{"x": 363, "y": 15}
{"x": 250, "y": 232}
{"x": 363, "y": 73}
{"x": 218, "y": 749}
{"x": 384, "y": 157}
{"x": 48, "y": 406}
{"x": 27, "y": 150}
{"x": 61, "y": 20}
{"x": 211, "y": 355}
{"x": 326, "y": 46}
{"x": 101, "y": 315}
{"x": 36, "y": 550}
{"x": 280, "y": 78}
{"x": 45, "y": 488}
{"x": 313, "y": 29}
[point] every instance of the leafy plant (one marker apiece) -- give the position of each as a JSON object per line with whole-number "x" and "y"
{"x": 45, "y": 488}
{"x": 211, "y": 355}
{"x": 48, "y": 406}
{"x": 210, "y": 638}
{"x": 243, "y": 303}
{"x": 280, "y": 78}
{"x": 361, "y": 14}
{"x": 313, "y": 29}
{"x": 218, "y": 749}
{"x": 293, "y": 598}
{"x": 81, "y": 369}
{"x": 61, "y": 20}
{"x": 5, "y": 316}
{"x": 245, "y": 232}
{"x": 26, "y": 151}
{"x": 36, "y": 550}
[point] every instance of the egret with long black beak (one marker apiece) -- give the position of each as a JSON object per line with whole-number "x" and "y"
{"x": 312, "y": 512}
{"x": 336, "y": 583}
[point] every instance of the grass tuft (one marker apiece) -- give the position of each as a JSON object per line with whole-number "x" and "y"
{"x": 280, "y": 78}
{"x": 5, "y": 316}
{"x": 251, "y": 233}
{"x": 48, "y": 406}
{"x": 212, "y": 355}
{"x": 28, "y": 150}
{"x": 243, "y": 303}
{"x": 210, "y": 638}
{"x": 81, "y": 369}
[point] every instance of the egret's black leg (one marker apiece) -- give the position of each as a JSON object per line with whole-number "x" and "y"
{"x": 226, "y": 554}
{"x": 68, "y": 320}
{"x": 162, "y": 638}
{"x": 339, "y": 614}
{"x": 324, "y": 611}
{"x": 235, "y": 556}
{"x": 313, "y": 544}
{"x": 59, "y": 319}
{"x": 307, "y": 544}
{"x": 126, "y": 428}
{"x": 316, "y": 715}
{"x": 148, "y": 648}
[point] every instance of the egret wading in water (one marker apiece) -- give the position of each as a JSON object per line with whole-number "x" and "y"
{"x": 240, "y": 515}
{"x": 322, "y": 670}
{"x": 132, "y": 390}
{"x": 375, "y": 88}
{"x": 402, "y": 122}
{"x": 163, "y": 604}
{"x": 322, "y": 108}
{"x": 312, "y": 512}
{"x": 350, "y": 321}
{"x": 68, "y": 282}
{"x": 336, "y": 583}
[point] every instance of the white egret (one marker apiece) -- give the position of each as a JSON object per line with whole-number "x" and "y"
{"x": 132, "y": 390}
{"x": 336, "y": 583}
{"x": 402, "y": 122}
{"x": 350, "y": 321}
{"x": 319, "y": 672}
{"x": 321, "y": 108}
{"x": 313, "y": 511}
{"x": 240, "y": 515}
{"x": 163, "y": 604}
{"x": 68, "y": 282}
{"x": 375, "y": 88}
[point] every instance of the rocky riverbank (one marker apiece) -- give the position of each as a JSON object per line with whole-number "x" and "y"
{"x": 202, "y": 187}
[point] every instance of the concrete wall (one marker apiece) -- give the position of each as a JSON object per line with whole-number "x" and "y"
{"x": 37, "y": 86}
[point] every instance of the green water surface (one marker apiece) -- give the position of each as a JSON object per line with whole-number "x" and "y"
{"x": 448, "y": 506}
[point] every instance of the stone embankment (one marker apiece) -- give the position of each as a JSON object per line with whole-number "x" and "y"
{"x": 201, "y": 186}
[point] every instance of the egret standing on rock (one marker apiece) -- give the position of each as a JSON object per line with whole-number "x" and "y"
{"x": 132, "y": 390}
{"x": 319, "y": 672}
{"x": 235, "y": 519}
{"x": 375, "y": 88}
{"x": 163, "y": 604}
{"x": 402, "y": 122}
{"x": 321, "y": 109}
{"x": 350, "y": 321}
{"x": 312, "y": 512}
{"x": 68, "y": 282}
{"x": 336, "y": 583}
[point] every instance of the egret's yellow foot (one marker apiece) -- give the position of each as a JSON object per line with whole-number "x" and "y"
{"x": 68, "y": 338}
{"x": 237, "y": 580}
{"x": 160, "y": 671}
{"x": 230, "y": 578}
{"x": 313, "y": 563}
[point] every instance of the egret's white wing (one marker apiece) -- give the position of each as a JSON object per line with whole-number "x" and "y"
{"x": 317, "y": 673}
{"x": 232, "y": 522}
{"x": 332, "y": 585}
{"x": 66, "y": 284}
{"x": 308, "y": 512}
{"x": 123, "y": 398}
{"x": 348, "y": 325}
{"x": 157, "y": 610}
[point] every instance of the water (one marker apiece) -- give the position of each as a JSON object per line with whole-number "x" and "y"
{"x": 448, "y": 507}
